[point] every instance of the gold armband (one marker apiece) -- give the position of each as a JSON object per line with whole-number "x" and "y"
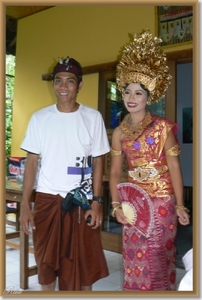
{"x": 114, "y": 210}
{"x": 182, "y": 207}
{"x": 115, "y": 152}
{"x": 174, "y": 151}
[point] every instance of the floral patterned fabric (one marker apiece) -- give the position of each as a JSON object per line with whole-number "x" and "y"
{"x": 149, "y": 263}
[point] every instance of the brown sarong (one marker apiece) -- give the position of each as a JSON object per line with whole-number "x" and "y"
{"x": 65, "y": 246}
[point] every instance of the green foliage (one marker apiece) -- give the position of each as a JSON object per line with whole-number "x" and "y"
{"x": 10, "y": 70}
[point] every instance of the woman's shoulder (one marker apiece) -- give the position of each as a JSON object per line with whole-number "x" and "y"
{"x": 165, "y": 124}
{"x": 162, "y": 120}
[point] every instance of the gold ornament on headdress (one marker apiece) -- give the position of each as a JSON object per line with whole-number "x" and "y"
{"x": 144, "y": 62}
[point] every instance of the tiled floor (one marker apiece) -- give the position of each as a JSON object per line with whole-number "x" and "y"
{"x": 111, "y": 283}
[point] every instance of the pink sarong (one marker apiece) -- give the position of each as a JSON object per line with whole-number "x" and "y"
{"x": 149, "y": 262}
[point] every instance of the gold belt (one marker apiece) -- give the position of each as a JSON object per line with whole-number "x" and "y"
{"x": 143, "y": 173}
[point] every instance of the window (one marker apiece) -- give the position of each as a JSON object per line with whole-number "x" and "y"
{"x": 10, "y": 78}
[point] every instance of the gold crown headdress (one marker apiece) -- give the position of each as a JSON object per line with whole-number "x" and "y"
{"x": 144, "y": 62}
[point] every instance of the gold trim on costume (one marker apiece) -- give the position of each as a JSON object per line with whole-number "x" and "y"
{"x": 174, "y": 151}
{"x": 182, "y": 207}
{"x": 130, "y": 131}
{"x": 148, "y": 82}
{"x": 141, "y": 174}
{"x": 116, "y": 152}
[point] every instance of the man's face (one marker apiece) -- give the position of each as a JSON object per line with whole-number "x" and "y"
{"x": 66, "y": 87}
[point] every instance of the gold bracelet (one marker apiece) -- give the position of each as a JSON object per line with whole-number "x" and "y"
{"x": 115, "y": 152}
{"x": 182, "y": 207}
{"x": 114, "y": 210}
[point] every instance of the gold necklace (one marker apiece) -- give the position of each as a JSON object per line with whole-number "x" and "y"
{"x": 131, "y": 122}
{"x": 131, "y": 132}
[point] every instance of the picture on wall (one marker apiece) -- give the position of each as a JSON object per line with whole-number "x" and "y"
{"x": 187, "y": 124}
{"x": 175, "y": 24}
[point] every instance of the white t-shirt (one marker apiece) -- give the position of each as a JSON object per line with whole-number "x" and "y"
{"x": 66, "y": 142}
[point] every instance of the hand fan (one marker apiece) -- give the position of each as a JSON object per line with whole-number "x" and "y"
{"x": 137, "y": 207}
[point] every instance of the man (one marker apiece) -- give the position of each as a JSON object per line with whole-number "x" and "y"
{"x": 71, "y": 141}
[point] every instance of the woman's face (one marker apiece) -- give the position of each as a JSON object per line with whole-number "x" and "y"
{"x": 135, "y": 98}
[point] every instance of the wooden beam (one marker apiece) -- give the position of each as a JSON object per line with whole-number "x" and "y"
{"x": 88, "y": 70}
{"x": 183, "y": 55}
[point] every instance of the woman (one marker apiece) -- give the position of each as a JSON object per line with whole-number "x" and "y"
{"x": 153, "y": 195}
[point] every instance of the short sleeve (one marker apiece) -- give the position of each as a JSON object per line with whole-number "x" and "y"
{"x": 31, "y": 141}
{"x": 100, "y": 140}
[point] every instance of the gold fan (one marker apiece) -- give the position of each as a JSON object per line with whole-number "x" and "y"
{"x": 129, "y": 212}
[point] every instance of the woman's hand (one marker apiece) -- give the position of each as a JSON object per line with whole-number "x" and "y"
{"x": 183, "y": 216}
{"x": 120, "y": 216}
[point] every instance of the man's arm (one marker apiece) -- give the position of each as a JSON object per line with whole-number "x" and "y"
{"x": 96, "y": 212}
{"x": 30, "y": 172}
{"x": 98, "y": 166}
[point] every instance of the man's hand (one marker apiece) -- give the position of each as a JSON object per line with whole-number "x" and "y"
{"x": 26, "y": 218}
{"x": 96, "y": 215}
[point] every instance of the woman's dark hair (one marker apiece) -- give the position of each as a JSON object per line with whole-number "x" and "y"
{"x": 143, "y": 87}
{"x": 146, "y": 90}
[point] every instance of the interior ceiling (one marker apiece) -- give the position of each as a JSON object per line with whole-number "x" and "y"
{"x": 13, "y": 14}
